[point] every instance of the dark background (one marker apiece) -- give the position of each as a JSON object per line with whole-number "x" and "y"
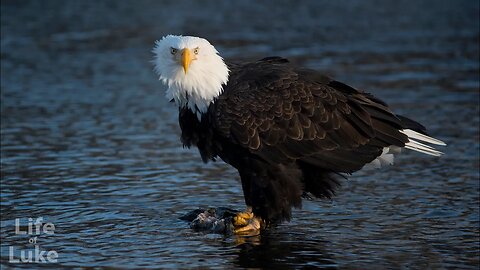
{"x": 89, "y": 143}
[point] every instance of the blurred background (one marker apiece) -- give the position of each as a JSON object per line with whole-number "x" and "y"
{"x": 89, "y": 143}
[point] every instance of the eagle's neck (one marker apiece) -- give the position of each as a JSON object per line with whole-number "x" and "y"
{"x": 196, "y": 100}
{"x": 197, "y": 89}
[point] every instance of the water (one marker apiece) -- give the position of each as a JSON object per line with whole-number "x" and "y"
{"x": 90, "y": 144}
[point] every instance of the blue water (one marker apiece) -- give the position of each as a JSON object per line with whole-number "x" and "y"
{"x": 90, "y": 144}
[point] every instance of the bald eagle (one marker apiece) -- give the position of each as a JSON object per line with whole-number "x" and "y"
{"x": 289, "y": 131}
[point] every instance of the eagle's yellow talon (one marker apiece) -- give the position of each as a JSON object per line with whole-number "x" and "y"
{"x": 253, "y": 227}
{"x": 245, "y": 215}
{"x": 246, "y": 222}
{"x": 242, "y": 218}
{"x": 239, "y": 221}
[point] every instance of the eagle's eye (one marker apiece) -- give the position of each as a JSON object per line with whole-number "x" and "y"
{"x": 195, "y": 51}
{"x": 173, "y": 51}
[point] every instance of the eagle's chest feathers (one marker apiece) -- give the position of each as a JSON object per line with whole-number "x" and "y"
{"x": 194, "y": 92}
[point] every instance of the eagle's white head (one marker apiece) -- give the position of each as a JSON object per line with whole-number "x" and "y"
{"x": 192, "y": 70}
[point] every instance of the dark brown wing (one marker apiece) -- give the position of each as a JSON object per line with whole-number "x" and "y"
{"x": 283, "y": 114}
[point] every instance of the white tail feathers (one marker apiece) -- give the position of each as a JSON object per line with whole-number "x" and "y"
{"x": 419, "y": 136}
{"x": 386, "y": 158}
{"x": 417, "y": 143}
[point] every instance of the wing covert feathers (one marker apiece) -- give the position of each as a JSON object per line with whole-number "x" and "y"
{"x": 283, "y": 114}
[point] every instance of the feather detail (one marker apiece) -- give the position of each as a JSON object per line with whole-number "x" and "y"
{"x": 421, "y": 137}
{"x": 415, "y": 144}
{"x": 386, "y": 158}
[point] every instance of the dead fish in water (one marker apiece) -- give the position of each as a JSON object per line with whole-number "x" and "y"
{"x": 213, "y": 220}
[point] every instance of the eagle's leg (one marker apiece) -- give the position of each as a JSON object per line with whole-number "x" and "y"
{"x": 247, "y": 222}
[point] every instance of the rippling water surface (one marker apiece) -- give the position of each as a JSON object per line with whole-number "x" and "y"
{"x": 89, "y": 143}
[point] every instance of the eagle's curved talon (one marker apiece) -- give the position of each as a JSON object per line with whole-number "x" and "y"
{"x": 247, "y": 223}
{"x": 253, "y": 227}
{"x": 242, "y": 218}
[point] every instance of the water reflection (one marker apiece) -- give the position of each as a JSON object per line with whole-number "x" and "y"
{"x": 278, "y": 249}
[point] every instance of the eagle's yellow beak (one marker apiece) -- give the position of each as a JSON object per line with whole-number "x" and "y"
{"x": 186, "y": 59}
